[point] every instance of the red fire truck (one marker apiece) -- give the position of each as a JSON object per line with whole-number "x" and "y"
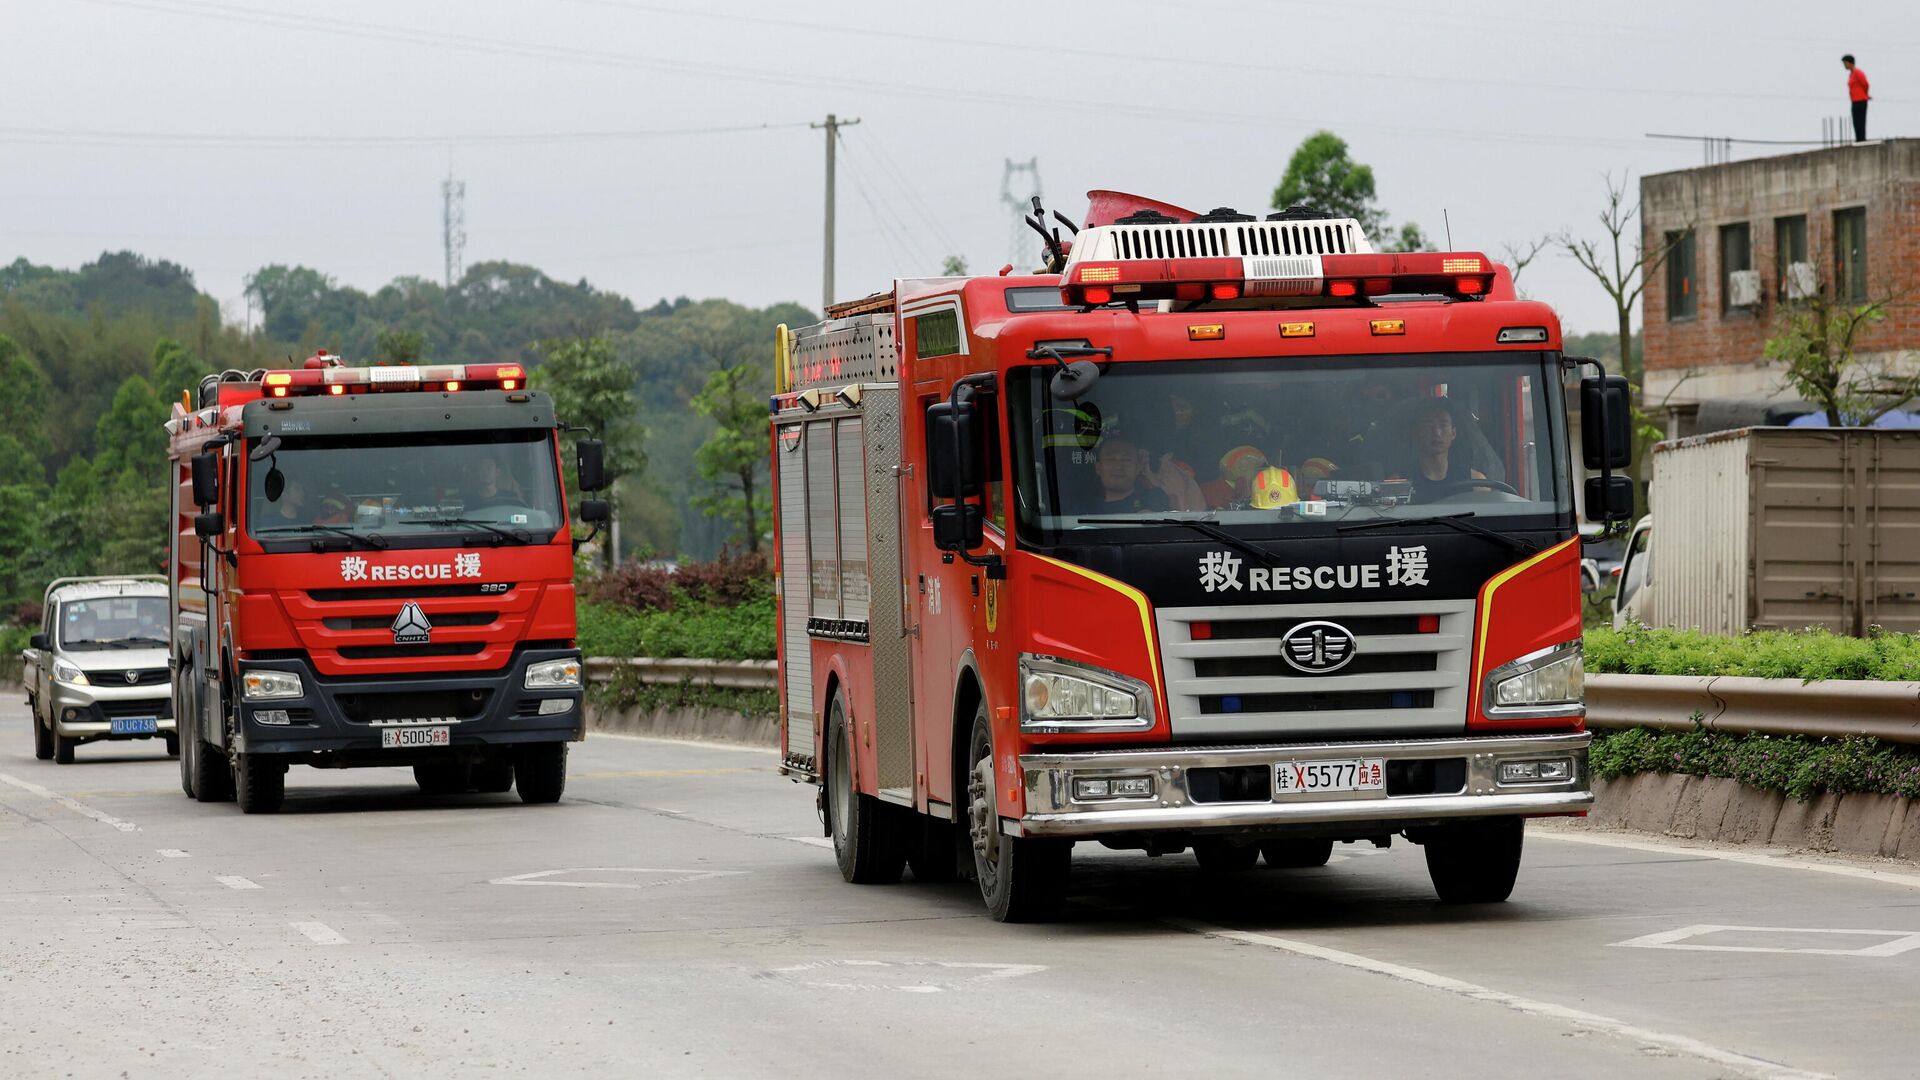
{"x": 374, "y": 566}
{"x": 1229, "y": 534}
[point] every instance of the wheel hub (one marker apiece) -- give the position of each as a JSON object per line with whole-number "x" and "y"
{"x": 981, "y": 818}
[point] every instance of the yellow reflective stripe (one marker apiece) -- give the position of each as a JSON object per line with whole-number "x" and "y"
{"x": 1486, "y": 599}
{"x": 1140, "y": 601}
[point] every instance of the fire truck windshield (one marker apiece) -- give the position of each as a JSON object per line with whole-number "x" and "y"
{"x": 1285, "y": 445}
{"x": 407, "y": 490}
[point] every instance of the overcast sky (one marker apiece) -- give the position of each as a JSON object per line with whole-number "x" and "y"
{"x": 229, "y": 134}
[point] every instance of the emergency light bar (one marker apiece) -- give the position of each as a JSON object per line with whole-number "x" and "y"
{"x": 1458, "y": 274}
{"x": 328, "y": 378}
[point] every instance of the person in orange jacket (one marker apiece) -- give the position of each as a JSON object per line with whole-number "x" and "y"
{"x": 1858, "y": 95}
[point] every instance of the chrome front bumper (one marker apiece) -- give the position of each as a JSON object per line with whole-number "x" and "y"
{"x": 91, "y": 703}
{"x": 1053, "y": 811}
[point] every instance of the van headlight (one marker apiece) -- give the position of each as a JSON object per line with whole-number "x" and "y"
{"x": 1061, "y": 695}
{"x": 269, "y": 685}
{"x": 553, "y": 675}
{"x": 1543, "y": 684}
{"x": 69, "y": 674}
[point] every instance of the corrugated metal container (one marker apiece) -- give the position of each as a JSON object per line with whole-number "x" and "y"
{"x": 1786, "y": 528}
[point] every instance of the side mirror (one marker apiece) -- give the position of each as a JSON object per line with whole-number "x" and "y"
{"x": 950, "y": 476}
{"x": 596, "y": 511}
{"x": 590, "y": 463}
{"x": 958, "y": 527}
{"x": 39, "y": 641}
{"x": 209, "y": 525}
{"x": 206, "y": 478}
{"x": 1606, "y": 423}
{"x": 1609, "y": 498}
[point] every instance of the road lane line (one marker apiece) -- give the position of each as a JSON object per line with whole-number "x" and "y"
{"x": 1751, "y": 858}
{"x": 320, "y": 933}
{"x": 235, "y": 881}
{"x": 1682, "y": 1044}
{"x": 74, "y": 805}
{"x": 816, "y": 841}
{"x": 172, "y": 853}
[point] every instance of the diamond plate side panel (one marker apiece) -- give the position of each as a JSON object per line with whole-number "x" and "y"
{"x": 850, "y": 465}
{"x": 796, "y": 650}
{"x": 892, "y": 670}
{"x": 857, "y": 349}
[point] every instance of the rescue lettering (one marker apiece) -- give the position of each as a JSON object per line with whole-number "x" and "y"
{"x": 355, "y": 568}
{"x": 1220, "y": 571}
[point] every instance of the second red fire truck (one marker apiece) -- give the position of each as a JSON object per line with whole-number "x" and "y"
{"x": 1232, "y": 534}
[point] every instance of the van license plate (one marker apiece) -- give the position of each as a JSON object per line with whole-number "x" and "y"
{"x": 1351, "y": 774}
{"x": 133, "y": 725}
{"x": 419, "y": 736}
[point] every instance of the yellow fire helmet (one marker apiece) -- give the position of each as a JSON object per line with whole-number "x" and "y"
{"x": 1273, "y": 487}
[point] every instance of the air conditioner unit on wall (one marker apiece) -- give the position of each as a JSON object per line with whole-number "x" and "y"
{"x": 1800, "y": 282}
{"x": 1743, "y": 289}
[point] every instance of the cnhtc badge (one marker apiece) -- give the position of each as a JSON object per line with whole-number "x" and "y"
{"x": 1317, "y": 647}
{"x": 411, "y": 627}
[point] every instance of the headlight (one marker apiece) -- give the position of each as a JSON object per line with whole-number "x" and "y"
{"x": 1545, "y": 683}
{"x": 1060, "y": 694}
{"x": 553, "y": 675}
{"x": 67, "y": 673}
{"x": 268, "y": 685}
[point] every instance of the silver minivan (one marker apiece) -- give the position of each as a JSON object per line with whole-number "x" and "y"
{"x": 97, "y": 670}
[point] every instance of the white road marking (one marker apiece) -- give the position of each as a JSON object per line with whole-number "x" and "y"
{"x": 320, "y": 933}
{"x": 974, "y": 972}
{"x": 1765, "y": 857}
{"x": 1900, "y": 940}
{"x": 816, "y": 841}
{"x": 172, "y": 853}
{"x": 542, "y": 877}
{"x": 235, "y": 881}
{"x": 1578, "y": 1017}
{"x": 74, "y": 805}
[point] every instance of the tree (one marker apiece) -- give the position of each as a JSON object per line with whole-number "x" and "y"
{"x": 1816, "y": 338}
{"x": 397, "y": 346}
{"x": 1622, "y": 269}
{"x": 953, "y": 266}
{"x": 1520, "y": 256}
{"x": 1323, "y": 175}
{"x": 591, "y": 388}
{"x": 132, "y": 436}
{"x": 23, "y": 407}
{"x": 176, "y": 369}
{"x": 734, "y": 457}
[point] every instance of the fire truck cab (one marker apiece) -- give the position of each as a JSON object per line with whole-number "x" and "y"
{"x": 374, "y": 566}
{"x": 1232, "y": 535}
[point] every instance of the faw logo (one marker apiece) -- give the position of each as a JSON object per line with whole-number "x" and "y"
{"x": 464, "y": 565}
{"x": 1220, "y": 571}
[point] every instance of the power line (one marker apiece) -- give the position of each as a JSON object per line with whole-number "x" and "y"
{"x": 897, "y": 175}
{"x": 909, "y": 242}
{"x": 282, "y": 142}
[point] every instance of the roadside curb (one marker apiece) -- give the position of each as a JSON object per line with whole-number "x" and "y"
{"x": 1723, "y": 810}
{"x": 687, "y": 722}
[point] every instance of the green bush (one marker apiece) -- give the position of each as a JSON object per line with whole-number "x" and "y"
{"x": 1799, "y": 766}
{"x": 744, "y": 632}
{"x": 1806, "y": 655}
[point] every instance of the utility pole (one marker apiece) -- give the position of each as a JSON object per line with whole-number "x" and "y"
{"x": 453, "y": 225}
{"x": 832, "y": 126}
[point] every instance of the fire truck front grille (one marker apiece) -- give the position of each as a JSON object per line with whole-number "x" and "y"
{"x": 1232, "y": 681}
{"x": 384, "y": 622}
{"x": 444, "y": 705}
{"x": 405, "y": 592}
{"x": 391, "y": 652}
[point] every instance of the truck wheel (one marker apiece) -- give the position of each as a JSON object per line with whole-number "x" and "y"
{"x": 42, "y": 738}
{"x": 493, "y": 776}
{"x": 207, "y": 770}
{"x": 867, "y": 841}
{"x": 1225, "y": 856}
{"x": 441, "y": 778}
{"x": 936, "y": 856}
{"x": 540, "y": 772}
{"x": 63, "y": 748}
{"x": 1022, "y": 879}
{"x": 1475, "y": 862}
{"x": 259, "y": 783}
{"x": 1297, "y": 854}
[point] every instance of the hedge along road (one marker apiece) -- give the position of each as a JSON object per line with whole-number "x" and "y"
{"x": 676, "y": 915}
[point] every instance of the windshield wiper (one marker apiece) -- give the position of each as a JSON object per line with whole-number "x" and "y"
{"x": 372, "y": 540}
{"x": 518, "y": 536}
{"x": 1457, "y": 522}
{"x": 1200, "y": 525}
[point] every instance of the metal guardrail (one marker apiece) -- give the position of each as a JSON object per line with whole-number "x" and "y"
{"x": 1889, "y": 711}
{"x": 731, "y": 674}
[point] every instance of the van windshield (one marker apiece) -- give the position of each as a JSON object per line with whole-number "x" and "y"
{"x": 113, "y": 622}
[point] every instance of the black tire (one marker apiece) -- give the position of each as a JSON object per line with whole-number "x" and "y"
{"x": 1297, "y": 854}
{"x": 868, "y": 842}
{"x": 1475, "y": 862}
{"x": 259, "y": 783}
{"x": 209, "y": 775}
{"x": 1225, "y": 856}
{"x": 540, "y": 772}
{"x": 173, "y": 746}
{"x": 1022, "y": 879}
{"x": 492, "y": 777}
{"x": 185, "y": 736}
{"x": 42, "y": 738}
{"x": 63, "y": 748}
{"x": 441, "y": 778}
{"x": 940, "y": 846}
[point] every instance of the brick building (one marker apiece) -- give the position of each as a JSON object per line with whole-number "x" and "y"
{"x": 1748, "y": 237}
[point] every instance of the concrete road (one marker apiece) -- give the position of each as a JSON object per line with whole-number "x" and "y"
{"x": 677, "y": 915}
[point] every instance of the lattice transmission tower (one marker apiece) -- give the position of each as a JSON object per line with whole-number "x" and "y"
{"x": 453, "y": 226}
{"x": 1023, "y": 245}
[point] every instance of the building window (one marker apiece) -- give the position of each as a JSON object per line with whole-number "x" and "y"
{"x": 1681, "y": 301}
{"x": 1790, "y": 250}
{"x": 1739, "y": 285}
{"x": 1850, "y": 254}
